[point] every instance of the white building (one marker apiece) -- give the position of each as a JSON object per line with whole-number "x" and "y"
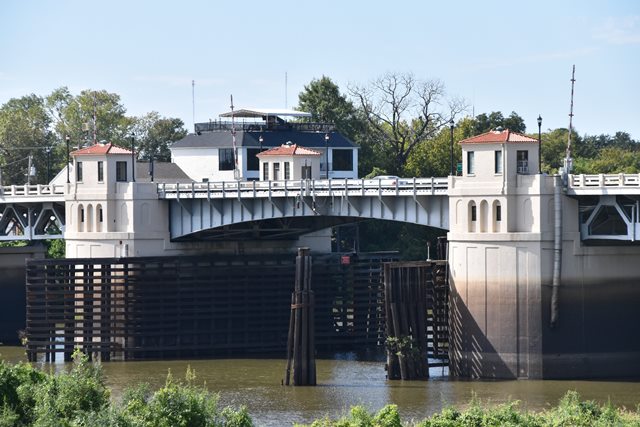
{"x": 208, "y": 154}
{"x": 289, "y": 162}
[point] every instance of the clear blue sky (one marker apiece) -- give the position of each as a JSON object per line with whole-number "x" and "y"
{"x": 498, "y": 55}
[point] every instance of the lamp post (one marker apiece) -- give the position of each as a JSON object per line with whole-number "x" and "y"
{"x": 326, "y": 153}
{"x": 260, "y": 140}
{"x": 48, "y": 164}
{"x": 539, "y": 143}
{"x": 133, "y": 158}
{"x": 451, "y": 125}
{"x": 68, "y": 166}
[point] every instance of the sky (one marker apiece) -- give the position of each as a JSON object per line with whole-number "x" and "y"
{"x": 497, "y": 55}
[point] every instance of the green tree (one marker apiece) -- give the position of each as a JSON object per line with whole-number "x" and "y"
{"x": 554, "y": 146}
{"x": 24, "y": 133}
{"x": 402, "y": 113}
{"x": 155, "y": 134}
{"x": 484, "y": 123}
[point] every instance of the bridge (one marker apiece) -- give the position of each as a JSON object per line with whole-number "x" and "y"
{"x": 609, "y": 207}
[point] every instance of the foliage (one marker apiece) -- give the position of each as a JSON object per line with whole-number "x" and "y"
{"x": 155, "y": 134}
{"x": 56, "y": 248}
{"x": 410, "y": 240}
{"x": 403, "y": 112}
{"x": 486, "y": 122}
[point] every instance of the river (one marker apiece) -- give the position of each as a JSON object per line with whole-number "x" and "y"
{"x": 342, "y": 382}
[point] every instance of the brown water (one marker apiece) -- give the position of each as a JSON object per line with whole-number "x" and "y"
{"x": 256, "y": 383}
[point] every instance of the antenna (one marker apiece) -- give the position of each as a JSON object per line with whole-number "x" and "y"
{"x": 285, "y": 91}
{"x": 236, "y": 173}
{"x": 193, "y": 102}
{"x": 568, "y": 162}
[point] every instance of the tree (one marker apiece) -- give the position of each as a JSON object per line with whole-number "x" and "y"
{"x": 24, "y": 132}
{"x": 92, "y": 116}
{"x": 484, "y": 123}
{"x": 155, "y": 134}
{"x": 403, "y": 113}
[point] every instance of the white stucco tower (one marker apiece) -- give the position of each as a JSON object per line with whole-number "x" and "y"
{"x": 108, "y": 213}
{"x": 495, "y": 252}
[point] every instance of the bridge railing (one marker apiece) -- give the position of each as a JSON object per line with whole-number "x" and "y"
{"x": 321, "y": 186}
{"x": 31, "y": 190}
{"x": 604, "y": 180}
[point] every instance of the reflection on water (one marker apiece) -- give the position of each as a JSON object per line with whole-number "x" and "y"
{"x": 342, "y": 383}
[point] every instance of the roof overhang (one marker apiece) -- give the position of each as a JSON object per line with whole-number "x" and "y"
{"x": 262, "y": 112}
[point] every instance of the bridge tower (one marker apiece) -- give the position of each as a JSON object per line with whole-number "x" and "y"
{"x": 497, "y": 233}
{"x": 108, "y": 214}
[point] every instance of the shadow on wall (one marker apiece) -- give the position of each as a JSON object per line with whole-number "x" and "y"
{"x": 471, "y": 354}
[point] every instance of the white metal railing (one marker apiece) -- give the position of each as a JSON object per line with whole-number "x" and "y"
{"x": 32, "y": 190}
{"x": 602, "y": 180}
{"x": 405, "y": 186}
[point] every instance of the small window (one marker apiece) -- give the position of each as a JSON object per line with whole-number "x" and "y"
{"x": 287, "y": 170}
{"x": 121, "y": 171}
{"x": 276, "y": 171}
{"x": 473, "y": 212}
{"x": 342, "y": 160}
{"x": 498, "y": 162}
{"x": 498, "y": 213}
{"x": 305, "y": 172}
{"x": 471, "y": 166}
{"x": 100, "y": 171}
{"x": 265, "y": 171}
{"x": 81, "y": 214}
{"x": 523, "y": 161}
{"x": 225, "y": 159}
{"x": 100, "y": 214}
{"x": 253, "y": 163}
{"x": 79, "y": 171}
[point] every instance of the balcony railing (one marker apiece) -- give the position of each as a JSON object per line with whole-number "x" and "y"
{"x": 216, "y": 126}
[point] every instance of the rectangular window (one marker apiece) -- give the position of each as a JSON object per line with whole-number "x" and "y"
{"x": 287, "y": 171}
{"x": 100, "y": 215}
{"x": 523, "y": 161}
{"x": 498, "y": 164}
{"x": 79, "y": 171}
{"x": 498, "y": 213}
{"x": 253, "y": 163}
{"x": 81, "y": 215}
{"x": 471, "y": 166}
{"x": 265, "y": 171}
{"x": 100, "y": 171}
{"x": 276, "y": 171}
{"x": 473, "y": 212}
{"x": 306, "y": 172}
{"x": 121, "y": 171}
{"x": 225, "y": 159}
{"x": 342, "y": 160}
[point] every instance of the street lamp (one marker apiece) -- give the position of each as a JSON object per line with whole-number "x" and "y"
{"x": 539, "y": 143}
{"x": 260, "y": 140}
{"x": 451, "y": 125}
{"x": 133, "y": 157}
{"x": 326, "y": 153}
{"x": 48, "y": 164}
{"x": 68, "y": 166}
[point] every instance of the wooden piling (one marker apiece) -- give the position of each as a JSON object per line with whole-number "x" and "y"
{"x": 301, "y": 342}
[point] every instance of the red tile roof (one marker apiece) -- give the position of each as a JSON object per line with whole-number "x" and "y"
{"x": 498, "y": 136}
{"x": 290, "y": 150}
{"x": 100, "y": 149}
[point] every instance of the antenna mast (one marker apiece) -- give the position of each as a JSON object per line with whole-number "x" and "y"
{"x": 193, "y": 102}
{"x": 568, "y": 161}
{"x": 236, "y": 173}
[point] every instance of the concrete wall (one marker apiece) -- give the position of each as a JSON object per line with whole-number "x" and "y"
{"x": 12, "y": 289}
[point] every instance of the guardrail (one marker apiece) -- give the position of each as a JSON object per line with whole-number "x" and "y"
{"x": 602, "y": 180}
{"x": 322, "y": 187}
{"x": 32, "y": 190}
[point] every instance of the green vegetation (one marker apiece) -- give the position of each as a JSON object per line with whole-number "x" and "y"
{"x": 571, "y": 411}
{"x": 29, "y": 397}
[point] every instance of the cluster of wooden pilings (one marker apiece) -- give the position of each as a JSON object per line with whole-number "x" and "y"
{"x": 415, "y": 323}
{"x": 301, "y": 339}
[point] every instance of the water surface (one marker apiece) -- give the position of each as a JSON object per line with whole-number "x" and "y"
{"x": 256, "y": 383}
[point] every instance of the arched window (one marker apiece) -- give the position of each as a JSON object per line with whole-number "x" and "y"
{"x": 99, "y": 218}
{"x": 89, "y": 218}
{"x": 472, "y": 217}
{"x": 80, "y": 226}
{"x": 497, "y": 216}
{"x": 484, "y": 216}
